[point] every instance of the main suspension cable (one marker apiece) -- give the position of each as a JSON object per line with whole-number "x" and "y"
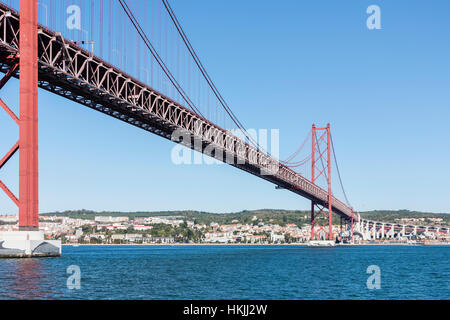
{"x": 289, "y": 159}
{"x": 155, "y": 54}
{"x": 205, "y": 74}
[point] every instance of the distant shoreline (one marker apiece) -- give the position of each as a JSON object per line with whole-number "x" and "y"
{"x": 178, "y": 244}
{"x": 244, "y": 244}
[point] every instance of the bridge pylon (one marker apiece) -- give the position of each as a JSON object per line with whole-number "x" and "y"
{"x": 321, "y": 221}
{"x": 28, "y": 241}
{"x": 27, "y": 63}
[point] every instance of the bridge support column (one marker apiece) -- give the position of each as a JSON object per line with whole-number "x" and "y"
{"x": 312, "y": 220}
{"x": 28, "y": 153}
{"x": 325, "y": 221}
{"x": 28, "y": 241}
{"x": 27, "y": 145}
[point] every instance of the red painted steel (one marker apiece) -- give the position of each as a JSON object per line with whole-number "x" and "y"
{"x": 316, "y": 149}
{"x": 10, "y": 153}
{"x": 330, "y": 208}
{"x": 8, "y": 75}
{"x": 9, "y": 193}
{"x": 28, "y": 131}
{"x": 14, "y": 149}
{"x": 9, "y": 111}
{"x": 71, "y": 72}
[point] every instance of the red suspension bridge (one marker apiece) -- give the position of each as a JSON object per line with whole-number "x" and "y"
{"x": 133, "y": 61}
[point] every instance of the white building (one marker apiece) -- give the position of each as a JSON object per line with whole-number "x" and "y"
{"x": 105, "y": 219}
{"x": 277, "y": 237}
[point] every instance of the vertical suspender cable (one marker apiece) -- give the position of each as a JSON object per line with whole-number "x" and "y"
{"x": 339, "y": 174}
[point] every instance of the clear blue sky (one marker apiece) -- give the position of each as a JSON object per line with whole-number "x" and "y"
{"x": 284, "y": 65}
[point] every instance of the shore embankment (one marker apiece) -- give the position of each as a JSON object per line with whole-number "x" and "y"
{"x": 250, "y": 244}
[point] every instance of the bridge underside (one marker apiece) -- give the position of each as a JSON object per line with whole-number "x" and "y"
{"x": 71, "y": 72}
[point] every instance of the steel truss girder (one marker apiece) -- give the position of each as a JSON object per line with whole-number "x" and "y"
{"x": 72, "y": 72}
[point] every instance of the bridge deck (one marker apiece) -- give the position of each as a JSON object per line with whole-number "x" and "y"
{"x": 71, "y": 72}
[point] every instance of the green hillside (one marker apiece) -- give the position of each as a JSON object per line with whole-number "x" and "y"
{"x": 274, "y": 216}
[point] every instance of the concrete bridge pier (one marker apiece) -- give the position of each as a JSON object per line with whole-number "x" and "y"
{"x": 361, "y": 226}
{"x": 392, "y": 232}
{"x": 368, "y": 229}
{"x": 379, "y": 231}
{"x": 362, "y": 229}
{"x": 27, "y": 244}
{"x": 374, "y": 230}
{"x": 357, "y": 226}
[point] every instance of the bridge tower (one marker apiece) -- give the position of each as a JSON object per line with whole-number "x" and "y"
{"x": 27, "y": 63}
{"x": 321, "y": 222}
{"x": 28, "y": 241}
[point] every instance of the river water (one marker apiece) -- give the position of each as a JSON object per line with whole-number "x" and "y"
{"x": 231, "y": 272}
